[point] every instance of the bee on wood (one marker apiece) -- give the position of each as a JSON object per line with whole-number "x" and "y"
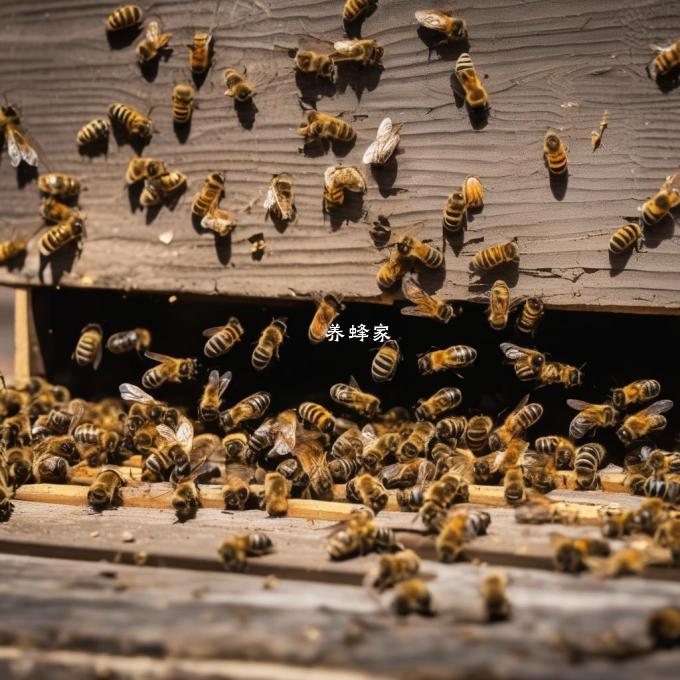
{"x": 530, "y": 316}
{"x": 104, "y": 492}
{"x": 439, "y": 497}
{"x": 667, "y": 535}
{"x": 153, "y": 43}
{"x": 268, "y": 344}
{"x": 377, "y": 449}
{"x": 590, "y": 416}
{"x": 236, "y": 489}
{"x": 60, "y": 186}
{"x": 460, "y": 527}
{"x": 488, "y": 258}
{"x": 367, "y": 490}
{"x": 348, "y": 445}
{"x": 445, "y": 399}
{"x": 663, "y": 625}
{"x": 497, "y": 607}
{"x": 238, "y": 88}
{"x": 89, "y": 348}
{"x": 16, "y": 430}
{"x": 411, "y": 247}
{"x": 19, "y": 465}
{"x": 417, "y": 442}
{"x": 455, "y": 211}
{"x": 392, "y": 569}
{"x": 275, "y": 494}
{"x": 94, "y": 132}
{"x": 425, "y": 305}
{"x": 635, "y": 393}
{"x": 384, "y": 364}
{"x": 596, "y": 136}
{"x": 321, "y": 65}
{"x": 643, "y": 422}
{"x": 587, "y": 460}
{"x": 453, "y": 28}
{"x": 106, "y": 440}
{"x": 222, "y": 222}
{"x": 221, "y": 339}
{"x": 144, "y": 168}
{"x": 561, "y": 448}
{"x": 473, "y": 191}
{"x": 169, "y": 369}
{"x": 162, "y": 189}
{"x": 667, "y": 489}
{"x": 555, "y": 153}
{"x": 211, "y": 399}
{"x": 235, "y": 549}
{"x": 250, "y": 408}
{"x": 570, "y": 554}
{"x": 407, "y": 474}
{"x": 386, "y": 142}
{"x": 53, "y": 210}
{"x": 182, "y": 103}
{"x": 6, "y": 493}
{"x": 18, "y": 147}
{"x": 615, "y": 523}
{"x": 136, "y": 339}
{"x": 658, "y": 206}
{"x": 353, "y": 10}
{"x": 666, "y": 61}
{"x": 280, "y": 202}
{"x": 476, "y": 97}
{"x": 9, "y": 250}
{"x": 361, "y": 51}
{"x": 59, "y": 236}
{"x": 513, "y": 486}
{"x": 324, "y": 126}
{"x": 134, "y": 123}
{"x": 355, "y": 398}
{"x": 456, "y": 356}
{"x": 329, "y": 306}
{"x": 145, "y": 408}
{"x": 124, "y": 18}
{"x": 200, "y": 52}
{"x": 413, "y": 597}
{"x": 310, "y": 454}
{"x": 209, "y": 195}
{"x": 393, "y": 269}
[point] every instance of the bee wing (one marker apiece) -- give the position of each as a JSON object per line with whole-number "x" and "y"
{"x": 185, "y": 434}
{"x": 130, "y": 392}
{"x": 225, "y": 380}
{"x": 580, "y": 426}
{"x": 521, "y": 404}
{"x": 270, "y": 199}
{"x": 209, "y": 332}
{"x": 533, "y": 459}
{"x": 153, "y": 31}
{"x": 368, "y": 434}
{"x": 513, "y": 352}
{"x": 433, "y": 19}
{"x": 578, "y": 405}
{"x": 413, "y": 292}
{"x": 353, "y": 383}
{"x": 384, "y": 129}
{"x": 214, "y": 377}
{"x": 160, "y": 358}
{"x": 344, "y": 46}
{"x": 285, "y": 440}
{"x": 657, "y": 407}
{"x": 517, "y": 301}
{"x": 78, "y": 411}
{"x": 371, "y": 154}
{"x": 19, "y": 149}
{"x": 166, "y": 432}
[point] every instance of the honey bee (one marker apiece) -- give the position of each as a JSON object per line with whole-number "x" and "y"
{"x": 439, "y": 497}
{"x": 19, "y": 465}
{"x": 456, "y": 356}
{"x": 386, "y": 142}
{"x": 667, "y": 489}
{"x": 60, "y": 186}
{"x": 425, "y": 305}
{"x": 89, "y": 349}
{"x": 499, "y": 305}
{"x": 596, "y": 136}
{"x": 348, "y": 445}
{"x": 458, "y": 528}
{"x": 455, "y": 211}
{"x": 321, "y": 65}
{"x": 235, "y": 447}
{"x": 95, "y": 131}
{"x": 200, "y": 52}
{"x": 222, "y": 222}
{"x": 316, "y": 416}
{"x": 657, "y": 207}
{"x": 615, "y": 523}
{"x": 236, "y": 489}
{"x": 667, "y": 535}
{"x": 478, "y": 431}
{"x": 562, "y": 449}
{"x": 310, "y": 454}
{"x": 442, "y": 400}
{"x": 513, "y": 486}
{"x": 11, "y": 249}
{"x": 186, "y": 500}
{"x": 377, "y": 449}
{"x": 650, "y": 515}
{"x": 61, "y": 235}
{"x": 268, "y": 344}
{"x": 222, "y": 338}
{"x": 238, "y": 88}
{"x": 663, "y": 625}
{"x": 250, "y": 408}
{"x": 235, "y": 549}
{"x": 280, "y": 203}
{"x": 329, "y": 306}
{"x": 635, "y": 392}
{"x": 162, "y": 189}
{"x": 169, "y": 369}
{"x": 353, "y": 397}
{"x": 518, "y": 421}
{"x": 61, "y": 446}
{"x": 182, "y": 103}
{"x": 643, "y": 422}
{"x": 104, "y": 492}
{"x": 275, "y": 494}
{"x": 6, "y": 494}
{"x": 473, "y": 191}
{"x": 277, "y": 436}
{"x": 209, "y": 195}
{"x": 384, "y": 364}
{"x": 587, "y": 460}
{"x": 134, "y": 123}
{"x": 53, "y": 210}
{"x": 354, "y": 10}
{"x": 526, "y": 362}
{"x": 145, "y": 408}
{"x": 16, "y": 430}
{"x": 124, "y": 18}
{"x": 453, "y": 28}
{"x": 18, "y": 147}
{"x": 530, "y": 316}
{"x": 407, "y": 474}
{"x": 476, "y": 96}
{"x": 392, "y": 270}
{"x": 489, "y": 258}
{"x": 493, "y": 591}
{"x": 144, "y": 168}
{"x": 452, "y": 429}
{"x": 570, "y": 554}
{"x": 364, "y": 52}
{"x": 49, "y": 469}
{"x": 413, "y": 597}
{"x": 393, "y": 569}
{"x": 209, "y": 406}
{"x": 408, "y": 246}
{"x": 666, "y": 61}
{"x": 137, "y": 339}
{"x": 106, "y": 441}
{"x": 555, "y": 153}
{"x": 417, "y": 442}
{"x": 153, "y": 43}
{"x": 554, "y": 372}
{"x": 590, "y": 416}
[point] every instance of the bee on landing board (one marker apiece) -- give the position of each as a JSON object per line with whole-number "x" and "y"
{"x": 238, "y": 88}
{"x": 140, "y": 169}
{"x": 385, "y": 144}
{"x": 153, "y": 43}
{"x": 355, "y": 10}
{"x": 59, "y": 186}
{"x": 124, "y": 18}
{"x": 280, "y": 201}
{"x": 555, "y": 153}
{"x": 134, "y": 123}
{"x": 61, "y": 235}
{"x": 94, "y": 132}
{"x": 339, "y": 179}
{"x": 321, "y": 65}
{"x": 182, "y": 103}
{"x": 451, "y": 27}
{"x": 658, "y": 206}
{"x": 329, "y": 306}
{"x": 18, "y": 147}
{"x": 666, "y": 61}
{"x": 162, "y": 189}
{"x": 476, "y": 97}
{"x": 361, "y": 51}
{"x": 9, "y": 250}
{"x": 488, "y": 258}
{"x": 200, "y": 52}
{"x": 455, "y": 212}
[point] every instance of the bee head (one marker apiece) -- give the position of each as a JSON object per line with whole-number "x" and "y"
{"x": 327, "y": 68}
{"x": 552, "y": 141}
{"x": 6, "y": 509}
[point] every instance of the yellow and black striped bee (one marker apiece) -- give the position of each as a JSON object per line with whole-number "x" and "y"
{"x": 324, "y": 126}
{"x": 425, "y": 305}
{"x": 124, "y": 18}
{"x": 625, "y": 237}
{"x": 513, "y": 486}
{"x": 456, "y": 356}
{"x": 222, "y": 338}
{"x": 635, "y": 392}
{"x": 153, "y": 43}
{"x": 384, "y": 364}
{"x": 95, "y": 131}
{"x": 209, "y": 406}
{"x": 473, "y": 192}
{"x": 476, "y": 96}
{"x": 328, "y": 308}
{"x": 494, "y": 256}
{"x": 364, "y": 52}
{"x": 355, "y": 398}
{"x": 169, "y": 369}
{"x": 60, "y": 186}
{"x": 590, "y": 416}
{"x": 317, "y": 416}
{"x": 526, "y": 362}
{"x": 499, "y": 305}
{"x": 11, "y": 249}
{"x": 338, "y": 179}
{"x": 250, "y": 408}
{"x": 238, "y": 88}
{"x": 182, "y": 103}
{"x": 408, "y": 246}
{"x": 442, "y": 400}
{"x": 308, "y": 61}
{"x": 280, "y": 202}
{"x": 666, "y": 61}
{"x": 555, "y": 153}
{"x": 209, "y": 195}
{"x": 587, "y": 461}
{"x": 268, "y": 344}
{"x": 139, "y": 169}
{"x": 561, "y": 448}
{"x": 134, "y": 123}
{"x": 453, "y": 28}
{"x": 643, "y": 422}
{"x": 53, "y": 210}
{"x": 162, "y": 189}
{"x": 530, "y": 316}
{"x": 357, "y": 9}
{"x": 200, "y": 52}
{"x": 516, "y": 423}
{"x": 657, "y": 207}
{"x": 61, "y": 235}
{"x": 90, "y": 346}
{"x": 136, "y": 339}
{"x": 455, "y": 210}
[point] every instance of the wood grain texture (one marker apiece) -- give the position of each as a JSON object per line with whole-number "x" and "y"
{"x": 545, "y": 67}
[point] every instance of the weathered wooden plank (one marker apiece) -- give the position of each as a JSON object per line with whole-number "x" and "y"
{"x": 545, "y": 67}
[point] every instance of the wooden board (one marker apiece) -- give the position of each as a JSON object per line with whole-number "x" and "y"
{"x": 542, "y": 66}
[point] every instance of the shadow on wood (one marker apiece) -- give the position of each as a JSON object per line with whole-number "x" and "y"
{"x": 99, "y": 147}
{"x": 182, "y": 131}
{"x": 352, "y": 210}
{"x": 149, "y": 69}
{"x": 359, "y": 78}
{"x": 26, "y": 174}
{"x": 246, "y": 112}
{"x": 661, "y": 231}
{"x": 385, "y": 176}
{"x": 119, "y": 40}
{"x": 134, "y": 193}
{"x": 122, "y": 138}
{"x": 59, "y": 262}
{"x": 446, "y": 51}
{"x": 558, "y": 184}
{"x": 313, "y": 88}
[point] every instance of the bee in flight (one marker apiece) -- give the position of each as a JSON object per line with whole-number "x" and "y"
{"x": 386, "y": 142}
{"x": 425, "y": 305}
{"x": 18, "y": 147}
{"x": 643, "y": 422}
{"x": 635, "y": 392}
{"x": 590, "y": 416}
{"x": 169, "y": 369}
{"x": 89, "y": 348}
{"x": 499, "y": 304}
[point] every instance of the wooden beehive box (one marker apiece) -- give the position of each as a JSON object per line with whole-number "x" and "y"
{"x": 545, "y": 65}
